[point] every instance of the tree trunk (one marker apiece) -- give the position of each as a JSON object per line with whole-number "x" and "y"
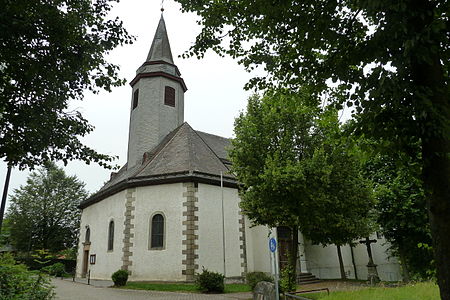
{"x": 294, "y": 254}
{"x": 433, "y": 116}
{"x": 341, "y": 262}
{"x": 4, "y": 196}
{"x": 353, "y": 262}
{"x": 405, "y": 271}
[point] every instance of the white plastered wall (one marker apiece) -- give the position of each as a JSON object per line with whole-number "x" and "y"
{"x": 323, "y": 261}
{"x": 258, "y": 254}
{"x": 97, "y": 216}
{"x": 165, "y": 264}
{"x": 210, "y": 250}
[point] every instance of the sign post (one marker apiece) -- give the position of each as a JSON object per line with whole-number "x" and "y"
{"x": 273, "y": 249}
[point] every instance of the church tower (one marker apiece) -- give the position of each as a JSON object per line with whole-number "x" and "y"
{"x": 157, "y": 104}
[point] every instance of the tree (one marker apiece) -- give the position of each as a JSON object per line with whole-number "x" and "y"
{"x": 401, "y": 211}
{"x": 50, "y": 53}
{"x": 389, "y": 59}
{"x": 44, "y": 213}
{"x": 5, "y": 234}
{"x": 297, "y": 172}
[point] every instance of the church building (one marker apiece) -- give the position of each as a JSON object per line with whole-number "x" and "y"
{"x": 173, "y": 208}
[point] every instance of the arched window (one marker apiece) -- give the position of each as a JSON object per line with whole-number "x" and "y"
{"x": 111, "y": 236}
{"x": 157, "y": 232}
{"x": 87, "y": 236}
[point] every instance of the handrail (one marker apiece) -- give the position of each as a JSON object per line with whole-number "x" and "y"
{"x": 311, "y": 291}
{"x": 286, "y": 296}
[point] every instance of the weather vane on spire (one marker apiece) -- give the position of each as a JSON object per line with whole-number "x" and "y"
{"x": 162, "y": 6}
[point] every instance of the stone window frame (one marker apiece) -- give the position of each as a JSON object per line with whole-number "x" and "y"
{"x": 110, "y": 240}
{"x": 150, "y": 231}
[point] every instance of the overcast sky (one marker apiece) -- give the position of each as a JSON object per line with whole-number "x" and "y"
{"x": 214, "y": 98}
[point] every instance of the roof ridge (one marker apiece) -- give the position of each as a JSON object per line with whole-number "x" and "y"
{"x": 213, "y": 134}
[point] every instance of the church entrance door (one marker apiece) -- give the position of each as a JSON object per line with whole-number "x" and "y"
{"x": 85, "y": 265}
{"x": 284, "y": 245}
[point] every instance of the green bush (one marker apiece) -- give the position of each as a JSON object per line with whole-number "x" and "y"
{"x": 120, "y": 277}
{"x": 57, "y": 270}
{"x": 210, "y": 282}
{"x": 288, "y": 281}
{"x": 17, "y": 283}
{"x": 253, "y": 278}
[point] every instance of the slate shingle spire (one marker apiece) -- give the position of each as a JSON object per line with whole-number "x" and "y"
{"x": 160, "y": 49}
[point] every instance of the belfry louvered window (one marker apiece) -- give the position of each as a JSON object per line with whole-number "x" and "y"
{"x": 169, "y": 96}
{"x": 157, "y": 232}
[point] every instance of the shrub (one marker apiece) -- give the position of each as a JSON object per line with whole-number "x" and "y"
{"x": 17, "y": 283}
{"x": 57, "y": 269}
{"x": 253, "y": 278}
{"x": 120, "y": 277}
{"x": 288, "y": 280}
{"x": 210, "y": 282}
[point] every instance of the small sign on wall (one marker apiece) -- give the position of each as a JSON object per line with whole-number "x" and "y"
{"x": 92, "y": 259}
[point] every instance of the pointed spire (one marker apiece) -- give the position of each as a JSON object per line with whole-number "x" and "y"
{"x": 160, "y": 49}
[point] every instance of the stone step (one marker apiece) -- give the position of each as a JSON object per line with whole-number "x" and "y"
{"x": 307, "y": 278}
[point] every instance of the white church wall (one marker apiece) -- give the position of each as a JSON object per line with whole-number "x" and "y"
{"x": 97, "y": 216}
{"x": 323, "y": 261}
{"x": 165, "y": 264}
{"x": 210, "y": 251}
{"x": 258, "y": 254}
{"x": 387, "y": 266}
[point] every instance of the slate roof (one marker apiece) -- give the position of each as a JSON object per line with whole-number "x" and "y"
{"x": 160, "y": 49}
{"x": 183, "y": 155}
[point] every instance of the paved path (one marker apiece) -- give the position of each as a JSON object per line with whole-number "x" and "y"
{"x": 68, "y": 290}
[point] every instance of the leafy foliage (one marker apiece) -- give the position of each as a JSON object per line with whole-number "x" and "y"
{"x": 297, "y": 171}
{"x": 44, "y": 213}
{"x": 252, "y": 278}
{"x": 5, "y": 234}
{"x": 51, "y": 52}
{"x": 17, "y": 283}
{"x": 287, "y": 280}
{"x": 57, "y": 270}
{"x": 387, "y": 59}
{"x": 210, "y": 282}
{"x": 402, "y": 214}
{"x": 120, "y": 277}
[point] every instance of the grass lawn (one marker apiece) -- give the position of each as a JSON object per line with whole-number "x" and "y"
{"x": 182, "y": 287}
{"x": 418, "y": 291}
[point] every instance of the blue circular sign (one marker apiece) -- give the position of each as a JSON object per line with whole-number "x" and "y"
{"x": 272, "y": 245}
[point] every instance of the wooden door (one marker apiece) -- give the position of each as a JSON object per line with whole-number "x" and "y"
{"x": 85, "y": 263}
{"x": 284, "y": 245}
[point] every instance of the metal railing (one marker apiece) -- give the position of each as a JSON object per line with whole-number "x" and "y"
{"x": 292, "y": 296}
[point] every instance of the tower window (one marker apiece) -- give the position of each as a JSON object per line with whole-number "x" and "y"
{"x": 169, "y": 96}
{"x": 135, "y": 98}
